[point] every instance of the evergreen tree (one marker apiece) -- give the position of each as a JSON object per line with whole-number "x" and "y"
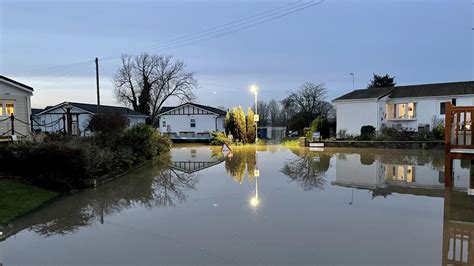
{"x": 379, "y": 81}
{"x": 240, "y": 124}
{"x": 250, "y": 126}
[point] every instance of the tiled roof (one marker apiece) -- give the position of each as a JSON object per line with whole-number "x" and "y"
{"x": 373, "y": 93}
{"x": 437, "y": 89}
{"x": 410, "y": 91}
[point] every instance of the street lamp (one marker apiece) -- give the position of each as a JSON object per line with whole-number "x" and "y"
{"x": 353, "y": 80}
{"x": 254, "y": 89}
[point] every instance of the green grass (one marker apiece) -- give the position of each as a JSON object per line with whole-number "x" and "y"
{"x": 291, "y": 143}
{"x": 17, "y": 198}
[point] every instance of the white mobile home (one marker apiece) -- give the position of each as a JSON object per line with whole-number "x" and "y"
{"x": 409, "y": 107}
{"x": 15, "y": 99}
{"x": 191, "y": 121}
{"x": 55, "y": 118}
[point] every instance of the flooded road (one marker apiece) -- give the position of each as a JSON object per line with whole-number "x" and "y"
{"x": 268, "y": 206}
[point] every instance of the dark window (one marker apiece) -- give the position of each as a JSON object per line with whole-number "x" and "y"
{"x": 164, "y": 123}
{"x": 453, "y": 102}
{"x": 442, "y": 108}
{"x": 193, "y": 122}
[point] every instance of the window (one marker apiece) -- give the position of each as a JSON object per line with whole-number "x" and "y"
{"x": 9, "y": 107}
{"x": 193, "y": 122}
{"x": 411, "y": 110}
{"x": 401, "y": 111}
{"x": 453, "y": 101}
{"x": 163, "y": 123}
{"x": 442, "y": 108}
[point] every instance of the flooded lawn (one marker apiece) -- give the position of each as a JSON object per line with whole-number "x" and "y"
{"x": 271, "y": 206}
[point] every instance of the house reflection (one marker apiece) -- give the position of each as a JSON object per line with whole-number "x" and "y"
{"x": 189, "y": 160}
{"x": 384, "y": 172}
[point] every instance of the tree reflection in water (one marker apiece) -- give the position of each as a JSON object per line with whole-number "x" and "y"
{"x": 154, "y": 185}
{"x": 308, "y": 170}
{"x": 240, "y": 162}
{"x": 170, "y": 187}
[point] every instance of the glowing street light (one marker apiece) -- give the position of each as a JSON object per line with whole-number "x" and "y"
{"x": 255, "y": 201}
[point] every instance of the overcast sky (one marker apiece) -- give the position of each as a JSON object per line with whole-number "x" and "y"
{"x": 416, "y": 41}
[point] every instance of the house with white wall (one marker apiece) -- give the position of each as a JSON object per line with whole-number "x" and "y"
{"x": 191, "y": 121}
{"x": 56, "y": 118}
{"x": 409, "y": 107}
{"x": 15, "y": 99}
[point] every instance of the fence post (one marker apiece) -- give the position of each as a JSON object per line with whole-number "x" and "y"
{"x": 12, "y": 119}
{"x": 69, "y": 121}
{"x": 64, "y": 123}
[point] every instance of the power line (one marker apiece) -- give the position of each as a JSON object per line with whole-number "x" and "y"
{"x": 227, "y": 28}
{"x": 60, "y": 68}
{"x": 209, "y": 29}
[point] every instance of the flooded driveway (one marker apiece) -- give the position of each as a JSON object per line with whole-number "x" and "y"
{"x": 268, "y": 206}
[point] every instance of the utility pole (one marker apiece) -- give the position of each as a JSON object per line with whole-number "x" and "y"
{"x": 97, "y": 82}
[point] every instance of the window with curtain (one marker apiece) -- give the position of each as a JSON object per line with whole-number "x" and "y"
{"x": 401, "y": 110}
{"x": 9, "y": 107}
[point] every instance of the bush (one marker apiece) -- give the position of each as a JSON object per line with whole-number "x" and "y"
{"x": 367, "y": 132}
{"x": 73, "y": 163}
{"x": 107, "y": 123}
{"x": 438, "y": 132}
{"x": 219, "y": 138}
{"x": 144, "y": 142}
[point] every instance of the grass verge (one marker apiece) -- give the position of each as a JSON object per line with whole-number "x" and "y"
{"x": 18, "y": 198}
{"x": 290, "y": 143}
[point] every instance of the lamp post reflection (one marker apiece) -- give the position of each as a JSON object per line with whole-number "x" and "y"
{"x": 255, "y": 201}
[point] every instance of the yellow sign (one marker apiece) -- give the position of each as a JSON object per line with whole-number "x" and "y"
{"x": 256, "y": 118}
{"x": 256, "y": 173}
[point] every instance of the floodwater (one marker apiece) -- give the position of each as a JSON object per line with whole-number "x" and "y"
{"x": 268, "y": 206}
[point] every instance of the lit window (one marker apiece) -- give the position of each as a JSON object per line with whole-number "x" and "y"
{"x": 193, "y": 122}
{"x": 411, "y": 110}
{"x": 1, "y": 108}
{"x": 9, "y": 108}
{"x": 401, "y": 110}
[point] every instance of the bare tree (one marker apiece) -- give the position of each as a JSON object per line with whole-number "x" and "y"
{"x": 310, "y": 98}
{"x": 274, "y": 111}
{"x": 147, "y": 81}
{"x": 262, "y": 108}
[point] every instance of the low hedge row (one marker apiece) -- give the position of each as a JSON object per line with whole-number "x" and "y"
{"x": 72, "y": 163}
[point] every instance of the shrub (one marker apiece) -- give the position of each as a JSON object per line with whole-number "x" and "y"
{"x": 219, "y": 138}
{"x": 438, "y": 132}
{"x": 144, "y": 142}
{"x": 73, "y": 163}
{"x": 367, "y": 132}
{"x": 107, "y": 123}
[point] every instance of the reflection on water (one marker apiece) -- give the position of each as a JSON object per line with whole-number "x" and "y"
{"x": 206, "y": 194}
{"x": 308, "y": 169}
